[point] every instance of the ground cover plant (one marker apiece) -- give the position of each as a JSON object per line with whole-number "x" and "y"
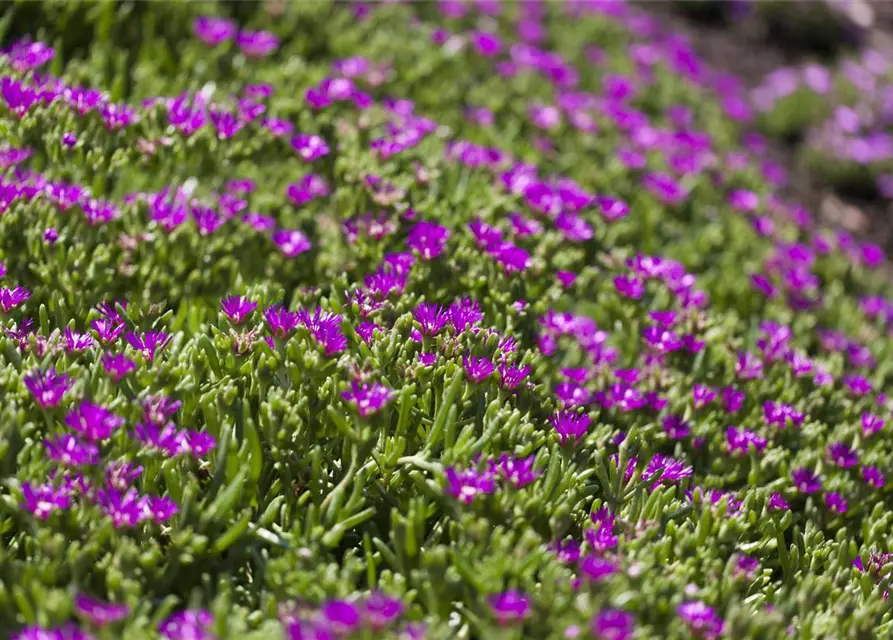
{"x": 421, "y": 320}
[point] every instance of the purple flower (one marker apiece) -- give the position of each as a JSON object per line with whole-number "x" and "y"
{"x": 835, "y": 502}
{"x": 280, "y": 320}
{"x": 341, "y": 617}
{"x": 701, "y": 619}
{"x": 570, "y": 426}
{"x": 149, "y": 344}
{"x": 308, "y": 189}
{"x": 675, "y": 427}
{"x": 629, "y": 286}
{"x": 777, "y": 503}
{"x": 12, "y": 298}
{"x": 477, "y": 369}
{"x": 257, "y": 44}
{"x": 613, "y": 624}
{"x": 99, "y": 612}
{"x": 66, "y": 632}
{"x": 188, "y": 625}
{"x": 291, "y": 242}
{"x": 464, "y": 313}
{"x": 43, "y": 500}
{"x": 428, "y": 238}
{"x": 873, "y": 477}
{"x": 213, "y": 31}
{"x": 871, "y": 424}
{"x": 108, "y": 329}
{"x": 858, "y": 385}
{"x": 739, "y": 441}
{"x": 76, "y": 342}
{"x": 665, "y": 188}
{"x": 165, "y": 439}
{"x": 125, "y": 510}
{"x": 309, "y": 147}
{"x": 69, "y": 140}
{"x": 368, "y": 399}
{"x": 237, "y": 308}
{"x": 160, "y": 510}
{"x": 664, "y": 469}
{"x": 781, "y": 415}
{"x": 519, "y": 472}
{"x": 432, "y": 318}
{"x": 596, "y": 569}
{"x": 509, "y": 607}
{"x": 380, "y": 610}
{"x": 702, "y": 395}
{"x": 842, "y": 455}
{"x": 48, "y": 388}
{"x": 511, "y": 375}
{"x": 465, "y": 486}
{"x": 117, "y": 365}
{"x": 748, "y": 366}
{"x": 733, "y": 399}
{"x": 120, "y": 475}
{"x": 93, "y": 421}
{"x": 806, "y": 480}
{"x": 325, "y": 328}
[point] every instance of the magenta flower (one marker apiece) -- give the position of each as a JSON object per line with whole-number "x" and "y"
{"x": 842, "y": 455}
{"x": 117, "y": 365}
{"x": 237, "y": 308}
{"x": 464, "y": 313}
{"x": 93, "y": 421}
{"x": 43, "y": 500}
{"x": 149, "y": 344}
{"x": 835, "y": 502}
{"x": 428, "y": 239}
{"x": 871, "y": 424}
{"x": 368, "y": 399}
{"x": 518, "y": 472}
{"x": 597, "y": 569}
{"x": 213, "y": 31}
{"x": 308, "y": 189}
{"x": 512, "y": 375}
{"x": 165, "y": 439}
{"x": 702, "y": 395}
{"x": 806, "y": 481}
{"x": 629, "y": 286}
{"x": 12, "y": 298}
{"x": 777, "y": 503}
{"x": 748, "y": 366}
{"x": 120, "y": 475}
{"x": 309, "y": 147}
{"x": 380, "y": 610}
{"x": 570, "y": 426}
{"x": 675, "y": 427}
{"x": 613, "y": 624}
{"x": 257, "y": 44}
{"x": 291, "y": 242}
{"x": 68, "y": 631}
{"x": 188, "y": 625}
{"x": 873, "y": 477}
{"x": 340, "y": 617}
{"x": 48, "y": 388}
{"x": 280, "y": 320}
{"x": 467, "y": 485}
{"x": 99, "y": 612}
{"x": 125, "y": 510}
{"x": 701, "y": 619}
{"x": 477, "y": 369}
{"x": 739, "y": 441}
{"x": 325, "y": 328}
{"x": 781, "y": 415}
{"x": 72, "y": 452}
{"x": 76, "y": 342}
{"x": 431, "y": 317}
{"x": 509, "y": 607}
{"x": 160, "y": 510}
{"x": 108, "y": 329}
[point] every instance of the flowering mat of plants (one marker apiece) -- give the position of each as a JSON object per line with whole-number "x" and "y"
{"x": 428, "y": 320}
